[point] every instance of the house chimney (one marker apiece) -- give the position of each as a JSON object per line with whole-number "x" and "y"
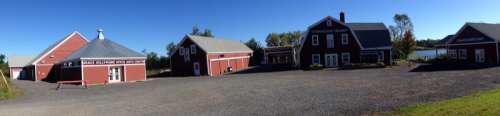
{"x": 101, "y": 34}
{"x": 342, "y": 17}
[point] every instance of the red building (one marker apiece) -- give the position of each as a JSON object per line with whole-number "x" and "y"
{"x": 103, "y": 61}
{"x": 75, "y": 58}
{"x": 332, "y": 43}
{"x": 475, "y": 43}
{"x": 197, "y": 55}
{"x": 42, "y": 66}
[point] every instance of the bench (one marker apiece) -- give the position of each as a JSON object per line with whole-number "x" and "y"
{"x": 60, "y": 83}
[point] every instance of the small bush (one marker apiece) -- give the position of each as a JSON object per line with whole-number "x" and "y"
{"x": 315, "y": 67}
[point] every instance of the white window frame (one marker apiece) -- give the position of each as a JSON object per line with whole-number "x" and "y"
{"x": 482, "y": 58}
{"x": 187, "y": 57}
{"x": 315, "y": 40}
{"x": 346, "y": 58}
{"x": 345, "y": 39}
{"x": 462, "y": 54}
{"x": 316, "y": 56}
{"x": 181, "y": 51}
{"x": 193, "y": 49}
{"x": 329, "y": 23}
{"x": 452, "y": 54}
{"x": 330, "y": 41}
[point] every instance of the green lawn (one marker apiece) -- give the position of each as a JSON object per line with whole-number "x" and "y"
{"x": 485, "y": 103}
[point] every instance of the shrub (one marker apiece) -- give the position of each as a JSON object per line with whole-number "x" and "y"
{"x": 315, "y": 66}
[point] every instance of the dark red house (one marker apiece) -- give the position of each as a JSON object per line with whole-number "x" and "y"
{"x": 197, "y": 55}
{"x": 475, "y": 43}
{"x": 332, "y": 43}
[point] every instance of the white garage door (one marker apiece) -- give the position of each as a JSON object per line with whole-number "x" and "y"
{"x": 16, "y": 74}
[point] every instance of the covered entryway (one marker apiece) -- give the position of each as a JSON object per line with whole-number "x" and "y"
{"x": 331, "y": 60}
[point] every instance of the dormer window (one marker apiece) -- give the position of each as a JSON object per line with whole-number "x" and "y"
{"x": 181, "y": 51}
{"x": 329, "y": 23}
{"x": 315, "y": 40}
{"x": 193, "y": 49}
{"x": 345, "y": 39}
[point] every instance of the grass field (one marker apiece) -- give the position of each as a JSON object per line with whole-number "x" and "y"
{"x": 485, "y": 103}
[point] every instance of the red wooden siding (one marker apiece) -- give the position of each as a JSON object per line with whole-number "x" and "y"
{"x": 95, "y": 74}
{"x": 45, "y": 65}
{"x": 135, "y": 73}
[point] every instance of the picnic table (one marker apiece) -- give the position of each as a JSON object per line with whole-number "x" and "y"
{"x": 60, "y": 83}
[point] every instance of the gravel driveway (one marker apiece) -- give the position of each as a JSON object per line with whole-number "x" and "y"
{"x": 288, "y": 93}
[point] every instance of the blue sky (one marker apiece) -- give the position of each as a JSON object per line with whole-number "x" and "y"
{"x": 29, "y": 26}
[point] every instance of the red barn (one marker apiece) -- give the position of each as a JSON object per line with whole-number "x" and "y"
{"x": 197, "y": 55}
{"x": 42, "y": 66}
{"x": 103, "y": 61}
{"x": 475, "y": 43}
{"x": 333, "y": 43}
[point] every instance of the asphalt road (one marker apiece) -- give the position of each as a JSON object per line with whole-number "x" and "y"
{"x": 286, "y": 93}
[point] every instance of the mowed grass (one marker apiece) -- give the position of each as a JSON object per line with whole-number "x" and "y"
{"x": 486, "y": 103}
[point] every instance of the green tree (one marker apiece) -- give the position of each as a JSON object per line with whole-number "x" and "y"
{"x": 283, "y": 39}
{"x": 171, "y": 48}
{"x": 2, "y": 59}
{"x": 258, "y": 52}
{"x": 205, "y": 33}
{"x": 407, "y": 45}
{"x": 195, "y": 31}
{"x": 402, "y": 30}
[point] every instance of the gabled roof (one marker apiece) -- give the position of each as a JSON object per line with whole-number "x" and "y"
{"x": 103, "y": 48}
{"x": 443, "y": 41}
{"x": 54, "y": 46}
{"x": 216, "y": 45}
{"x": 490, "y": 30}
{"x": 20, "y": 61}
{"x": 371, "y": 35}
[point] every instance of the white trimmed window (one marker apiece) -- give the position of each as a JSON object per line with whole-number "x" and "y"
{"x": 193, "y": 49}
{"x": 329, "y": 23}
{"x": 187, "y": 57}
{"x": 315, "y": 40}
{"x": 316, "y": 59}
{"x": 452, "y": 53}
{"x": 345, "y": 39}
{"x": 463, "y": 54}
{"x": 181, "y": 51}
{"x": 346, "y": 58}
{"x": 330, "y": 41}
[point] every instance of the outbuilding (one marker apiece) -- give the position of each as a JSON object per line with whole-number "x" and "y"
{"x": 198, "y": 55}
{"x": 475, "y": 43}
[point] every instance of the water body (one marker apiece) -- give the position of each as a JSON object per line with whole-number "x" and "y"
{"x": 429, "y": 54}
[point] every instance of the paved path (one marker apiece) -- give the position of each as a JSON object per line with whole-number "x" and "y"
{"x": 288, "y": 93}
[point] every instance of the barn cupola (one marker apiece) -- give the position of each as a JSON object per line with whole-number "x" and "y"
{"x": 101, "y": 34}
{"x": 342, "y": 17}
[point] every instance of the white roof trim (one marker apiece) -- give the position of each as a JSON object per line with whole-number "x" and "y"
{"x": 59, "y": 44}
